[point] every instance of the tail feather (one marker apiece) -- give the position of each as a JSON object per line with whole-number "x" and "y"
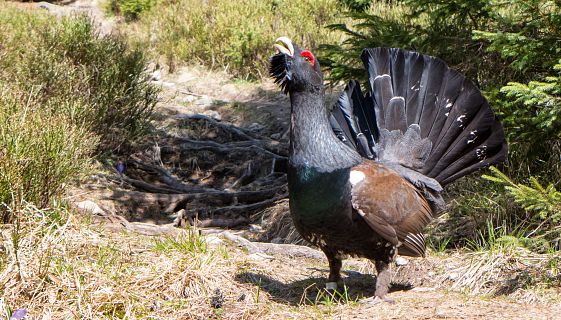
{"x": 466, "y": 108}
{"x": 452, "y": 86}
{"x": 395, "y": 115}
{"x": 422, "y": 115}
{"x": 382, "y": 96}
{"x": 356, "y": 119}
{"x": 434, "y": 84}
{"x": 340, "y": 128}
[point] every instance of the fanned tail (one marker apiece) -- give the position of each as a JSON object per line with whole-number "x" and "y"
{"x": 420, "y": 115}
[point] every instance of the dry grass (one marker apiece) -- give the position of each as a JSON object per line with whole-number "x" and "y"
{"x": 77, "y": 270}
{"x": 69, "y": 267}
{"x": 277, "y": 225}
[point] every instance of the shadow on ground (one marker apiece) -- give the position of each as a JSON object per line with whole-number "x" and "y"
{"x": 310, "y": 291}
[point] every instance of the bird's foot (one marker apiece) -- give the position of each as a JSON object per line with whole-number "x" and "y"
{"x": 377, "y": 300}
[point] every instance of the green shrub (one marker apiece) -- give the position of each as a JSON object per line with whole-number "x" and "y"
{"x": 40, "y": 151}
{"x": 67, "y": 63}
{"x": 541, "y": 223}
{"x": 131, "y": 9}
{"x": 65, "y": 93}
{"x": 234, "y": 35}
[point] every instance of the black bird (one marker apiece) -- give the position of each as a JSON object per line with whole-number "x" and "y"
{"x": 365, "y": 178}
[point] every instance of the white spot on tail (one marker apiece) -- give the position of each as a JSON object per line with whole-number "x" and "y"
{"x": 381, "y": 76}
{"x": 461, "y": 118}
{"x": 356, "y": 177}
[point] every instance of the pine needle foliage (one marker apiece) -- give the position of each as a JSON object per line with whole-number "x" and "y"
{"x": 542, "y": 205}
{"x": 534, "y": 109}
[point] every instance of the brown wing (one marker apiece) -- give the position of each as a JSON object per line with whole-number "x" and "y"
{"x": 391, "y": 206}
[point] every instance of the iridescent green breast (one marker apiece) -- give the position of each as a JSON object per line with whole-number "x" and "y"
{"x": 316, "y": 197}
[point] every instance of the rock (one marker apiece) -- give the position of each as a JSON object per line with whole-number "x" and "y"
{"x": 213, "y": 240}
{"x": 156, "y": 75}
{"x": 277, "y": 240}
{"x": 255, "y": 228}
{"x": 189, "y": 98}
{"x": 452, "y": 276}
{"x": 213, "y": 114}
{"x": 276, "y": 136}
{"x": 401, "y": 261}
{"x": 204, "y": 101}
{"x": 90, "y": 206}
{"x": 256, "y": 127}
{"x": 258, "y": 257}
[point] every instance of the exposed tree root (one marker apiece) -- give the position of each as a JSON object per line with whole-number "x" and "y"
{"x": 204, "y": 182}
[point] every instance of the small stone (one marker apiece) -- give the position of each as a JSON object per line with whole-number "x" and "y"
{"x": 213, "y": 240}
{"x": 256, "y": 127}
{"x": 276, "y": 136}
{"x": 156, "y": 305}
{"x": 156, "y": 75}
{"x": 401, "y": 261}
{"x": 258, "y": 257}
{"x": 452, "y": 276}
{"x": 164, "y": 83}
{"x": 204, "y": 101}
{"x": 90, "y": 206}
{"x": 18, "y": 314}
{"x": 189, "y": 98}
{"x": 213, "y": 114}
{"x": 255, "y": 228}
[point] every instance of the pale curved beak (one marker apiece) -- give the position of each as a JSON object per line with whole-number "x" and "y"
{"x": 284, "y": 45}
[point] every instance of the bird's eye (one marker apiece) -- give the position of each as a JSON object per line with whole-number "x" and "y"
{"x": 308, "y": 57}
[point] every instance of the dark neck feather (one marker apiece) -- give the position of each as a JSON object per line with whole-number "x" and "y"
{"x": 312, "y": 141}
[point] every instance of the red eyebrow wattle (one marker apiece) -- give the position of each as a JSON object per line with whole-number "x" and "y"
{"x": 309, "y": 55}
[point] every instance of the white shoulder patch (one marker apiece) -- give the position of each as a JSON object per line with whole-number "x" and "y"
{"x": 356, "y": 177}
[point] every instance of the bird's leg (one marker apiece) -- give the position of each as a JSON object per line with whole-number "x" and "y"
{"x": 335, "y": 265}
{"x": 383, "y": 279}
{"x": 382, "y": 283}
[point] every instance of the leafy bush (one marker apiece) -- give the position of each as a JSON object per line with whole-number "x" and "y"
{"x": 234, "y": 35}
{"x": 67, "y": 63}
{"x": 356, "y": 5}
{"x": 39, "y": 151}
{"x": 131, "y": 9}
{"x": 65, "y": 93}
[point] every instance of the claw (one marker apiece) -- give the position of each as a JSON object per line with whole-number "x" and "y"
{"x": 284, "y": 45}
